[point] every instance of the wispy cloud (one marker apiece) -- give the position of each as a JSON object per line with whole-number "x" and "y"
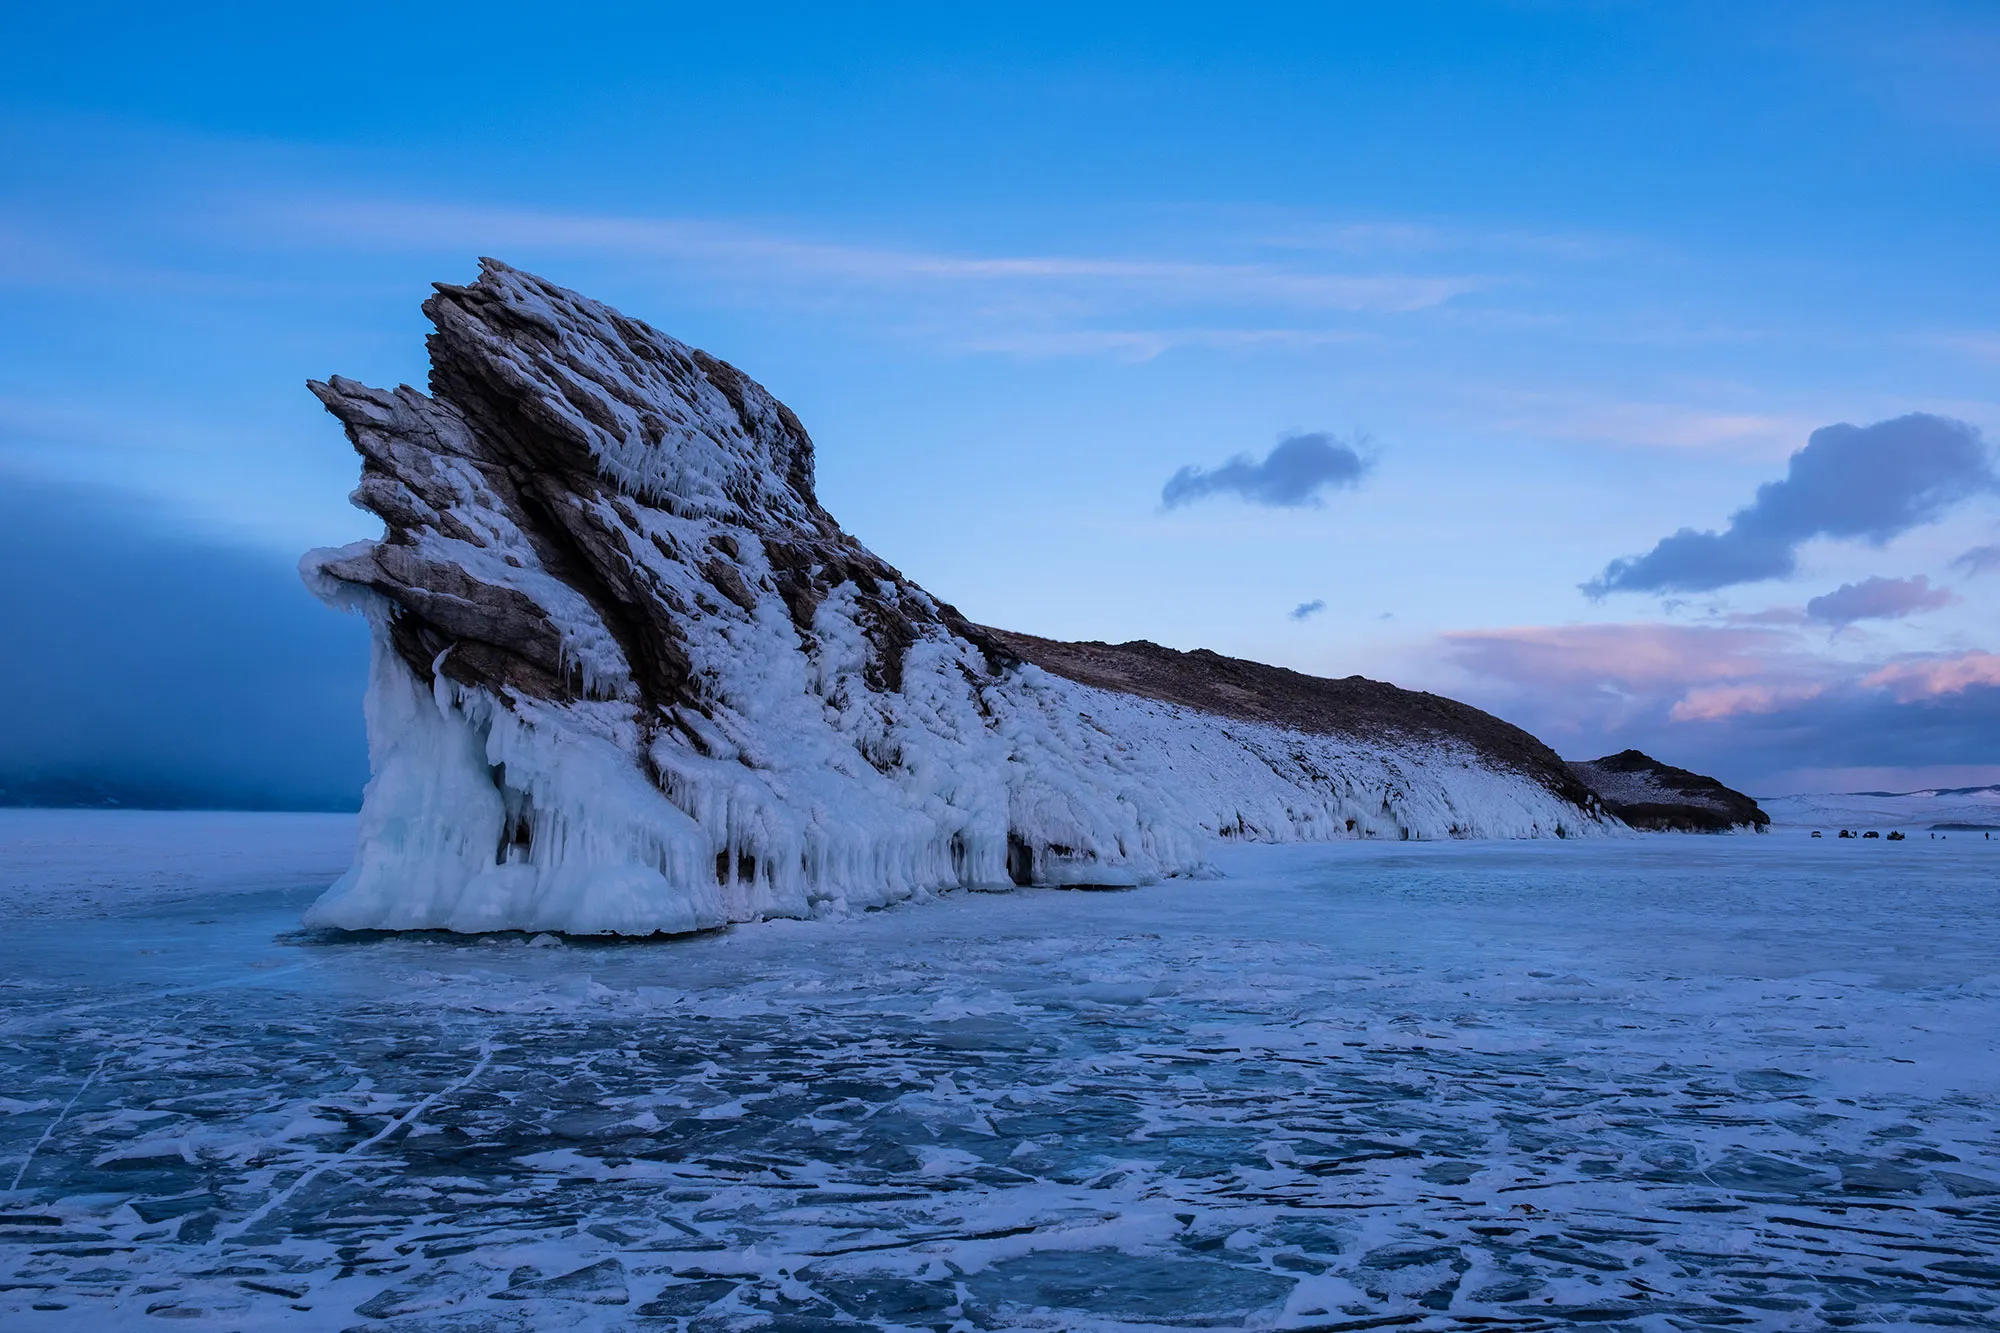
{"x": 764, "y": 255}
{"x": 1127, "y": 344}
{"x": 1628, "y": 661}
{"x": 1402, "y": 237}
{"x": 1730, "y": 419}
{"x": 54, "y": 255}
{"x": 1770, "y": 615}
{"x": 1307, "y": 610}
{"x": 1658, "y": 425}
{"x": 1976, "y": 344}
{"x": 1978, "y": 560}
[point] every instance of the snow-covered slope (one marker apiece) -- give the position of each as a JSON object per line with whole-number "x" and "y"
{"x": 630, "y": 677}
{"x": 1884, "y": 810}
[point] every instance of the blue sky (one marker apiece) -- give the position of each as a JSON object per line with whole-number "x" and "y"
{"x": 1561, "y": 280}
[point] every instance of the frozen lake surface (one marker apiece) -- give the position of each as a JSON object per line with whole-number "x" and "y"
{"x": 1655, "y": 1083}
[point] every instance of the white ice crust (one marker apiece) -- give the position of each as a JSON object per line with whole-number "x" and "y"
{"x": 820, "y": 795}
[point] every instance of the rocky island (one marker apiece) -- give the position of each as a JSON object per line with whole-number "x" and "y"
{"x": 1648, "y": 794}
{"x": 630, "y": 677}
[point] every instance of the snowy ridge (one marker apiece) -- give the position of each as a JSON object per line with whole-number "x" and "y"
{"x": 1912, "y": 809}
{"x": 629, "y": 677}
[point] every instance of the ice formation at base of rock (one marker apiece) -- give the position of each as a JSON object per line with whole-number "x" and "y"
{"x": 629, "y": 677}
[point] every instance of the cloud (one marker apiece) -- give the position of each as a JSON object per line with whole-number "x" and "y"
{"x": 1708, "y": 703}
{"x": 160, "y": 670}
{"x": 1290, "y": 477}
{"x": 1910, "y": 679}
{"x": 1750, "y": 705}
{"x": 1638, "y": 423}
{"x": 1305, "y": 610}
{"x": 1978, "y": 345}
{"x": 718, "y": 247}
{"x": 1571, "y": 682}
{"x": 1878, "y": 599}
{"x": 1602, "y": 680}
{"x": 1867, "y": 482}
{"x": 1624, "y": 660}
{"x": 1844, "y": 727}
{"x": 1979, "y": 560}
{"x": 1305, "y": 233}
{"x": 1138, "y": 345}
{"x": 1770, "y": 615}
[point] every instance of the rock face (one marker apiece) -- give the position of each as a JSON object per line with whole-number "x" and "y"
{"x": 629, "y": 676}
{"x": 1648, "y": 794}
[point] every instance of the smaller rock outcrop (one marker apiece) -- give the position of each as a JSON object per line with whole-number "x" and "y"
{"x": 1660, "y": 798}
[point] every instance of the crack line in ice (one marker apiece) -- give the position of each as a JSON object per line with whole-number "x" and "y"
{"x": 408, "y": 1118}
{"x": 262, "y": 978}
{"x": 60, "y": 1117}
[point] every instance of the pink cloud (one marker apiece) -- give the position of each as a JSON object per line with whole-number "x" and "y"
{"x": 1708, "y": 703}
{"x": 1763, "y": 706}
{"x": 1576, "y": 677}
{"x": 1927, "y": 678}
{"x": 1627, "y": 657}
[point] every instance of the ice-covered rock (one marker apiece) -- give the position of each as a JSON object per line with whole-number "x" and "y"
{"x": 629, "y": 676}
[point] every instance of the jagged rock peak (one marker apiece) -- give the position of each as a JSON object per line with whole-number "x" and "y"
{"x": 630, "y": 676}
{"x": 560, "y": 440}
{"x": 572, "y": 383}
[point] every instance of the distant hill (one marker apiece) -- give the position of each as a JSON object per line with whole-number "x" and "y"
{"x": 1660, "y": 798}
{"x": 1970, "y": 808}
{"x": 100, "y": 791}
